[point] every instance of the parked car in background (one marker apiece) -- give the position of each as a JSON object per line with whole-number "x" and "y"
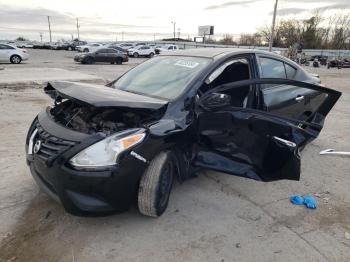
{"x": 108, "y": 55}
{"x": 126, "y": 46}
{"x": 166, "y": 48}
{"x": 56, "y": 46}
{"x": 116, "y": 47}
{"x": 89, "y": 47}
{"x": 142, "y": 50}
{"x": 24, "y": 45}
{"x": 339, "y": 63}
{"x": 322, "y": 59}
{"x": 241, "y": 112}
{"x": 71, "y": 46}
{"x": 13, "y": 54}
{"x": 44, "y": 45}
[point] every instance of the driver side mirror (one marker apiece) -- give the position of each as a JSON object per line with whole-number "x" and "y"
{"x": 215, "y": 100}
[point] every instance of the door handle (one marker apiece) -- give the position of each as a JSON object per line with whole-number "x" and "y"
{"x": 285, "y": 142}
{"x": 299, "y": 98}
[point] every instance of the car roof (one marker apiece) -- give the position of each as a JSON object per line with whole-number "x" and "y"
{"x": 216, "y": 53}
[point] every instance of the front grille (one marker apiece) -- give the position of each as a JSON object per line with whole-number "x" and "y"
{"x": 51, "y": 146}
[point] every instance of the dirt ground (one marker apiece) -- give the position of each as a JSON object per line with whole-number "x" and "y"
{"x": 214, "y": 217}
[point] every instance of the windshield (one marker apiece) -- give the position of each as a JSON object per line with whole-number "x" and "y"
{"x": 164, "y": 76}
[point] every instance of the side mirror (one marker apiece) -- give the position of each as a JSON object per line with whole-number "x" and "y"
{"x": 215, "y": 100}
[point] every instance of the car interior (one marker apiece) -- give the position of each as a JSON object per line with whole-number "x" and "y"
{"x": 231, "y": 71}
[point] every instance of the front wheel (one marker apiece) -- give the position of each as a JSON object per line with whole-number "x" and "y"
{"x": 89, "y": 60}
{"x": 136, "y": 55}
{"x": 15, "y": 59}
{"x": 70, "y": 48}
{"x": 86, "y": 50}
{"x": 119, "y": 61}
{"x": 151, "y": 55}
{"x": 155, "y": 185}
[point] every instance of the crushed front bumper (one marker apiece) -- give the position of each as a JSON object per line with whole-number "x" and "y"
{"x": 98, "y": 191}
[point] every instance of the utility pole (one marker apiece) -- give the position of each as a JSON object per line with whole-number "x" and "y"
{"x": 174, "y": 24}
{"x": 178, "y": 33}
{"x": 78, "y": 26}
{"x": 48, "y": 20}
{"x": 41, "y": 37}
{"x": 273, "y": 26}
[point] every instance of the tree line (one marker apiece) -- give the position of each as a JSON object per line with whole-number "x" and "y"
{"x": 315, "y": 32}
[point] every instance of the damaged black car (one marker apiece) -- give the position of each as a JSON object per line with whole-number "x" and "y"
{"x": 99, "y": 149}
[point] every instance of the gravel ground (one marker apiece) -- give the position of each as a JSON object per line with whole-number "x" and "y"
{"x": 214, "y": 217}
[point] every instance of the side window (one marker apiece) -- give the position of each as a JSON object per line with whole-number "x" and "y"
{"x": 170, "y": 48}
{"x": 290, "y": 71}
{"x": 271, "y": 68}
{"x": 6, "y": 47}
{"x": 232, "y": 71}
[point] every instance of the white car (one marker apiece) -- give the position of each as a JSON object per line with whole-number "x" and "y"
{"x": 9, "y": 53}
{"x": 89, "y": 47}
{"x": 24, "y": 45}
{"x": 166, "y": 48}
{"x": 143, "y": 50}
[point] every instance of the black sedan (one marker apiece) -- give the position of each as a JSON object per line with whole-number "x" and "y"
{"x": 108, "y": 55}
{"x": 248, "y": 113}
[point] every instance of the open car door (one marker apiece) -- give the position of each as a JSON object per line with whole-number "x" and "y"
{"x": 255, "y": 143}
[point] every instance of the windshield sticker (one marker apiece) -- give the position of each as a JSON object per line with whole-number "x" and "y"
{"x": 188, "y": 64}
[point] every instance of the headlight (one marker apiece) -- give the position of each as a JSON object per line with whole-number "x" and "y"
{"x": 105, "y": 152}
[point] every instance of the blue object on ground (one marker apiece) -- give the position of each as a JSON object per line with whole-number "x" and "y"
{"x": 297, "y": 200}
{"x": 310, "y": 202}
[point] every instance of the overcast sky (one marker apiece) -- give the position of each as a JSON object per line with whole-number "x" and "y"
{"x": 105, "y": 20}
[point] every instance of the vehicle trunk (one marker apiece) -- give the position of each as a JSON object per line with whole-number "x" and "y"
{"x": 91, "y": 109}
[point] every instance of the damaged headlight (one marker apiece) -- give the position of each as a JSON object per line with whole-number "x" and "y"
{"x": 105, "y": 152}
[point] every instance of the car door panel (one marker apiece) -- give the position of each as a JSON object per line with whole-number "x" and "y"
{"x": 255, "y": 143}
{"x": 100, "y": 56}
{"x": 290, "y": 101}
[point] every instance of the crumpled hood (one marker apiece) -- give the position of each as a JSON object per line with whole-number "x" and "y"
{"x": 101, "y": 96}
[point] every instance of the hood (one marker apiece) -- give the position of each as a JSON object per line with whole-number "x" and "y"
{"x": 101, "y": 96}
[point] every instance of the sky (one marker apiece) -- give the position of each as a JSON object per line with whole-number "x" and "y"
{"x": 110, "y": 20}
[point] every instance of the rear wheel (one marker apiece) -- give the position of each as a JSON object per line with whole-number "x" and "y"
{"x": 155, "y": 185}
{"x": 86, "y": 50}
{"x": 151, "y": 55}
{"x": 70, "y": 48}
{"x": 15, "y": 59}
{"x": 136, "y": 55}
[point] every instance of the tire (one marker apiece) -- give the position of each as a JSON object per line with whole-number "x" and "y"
{"x": 89, "y": 60}
{"x": 86, "y": 50}
{"x": 15, "y": 59}
{"x": 155, "y": 185}
{"x": 70, "y": 48}
{"x": 151, "y": 55}
{"x": 136, "y": 55}
{"x": 119, "y": 61}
